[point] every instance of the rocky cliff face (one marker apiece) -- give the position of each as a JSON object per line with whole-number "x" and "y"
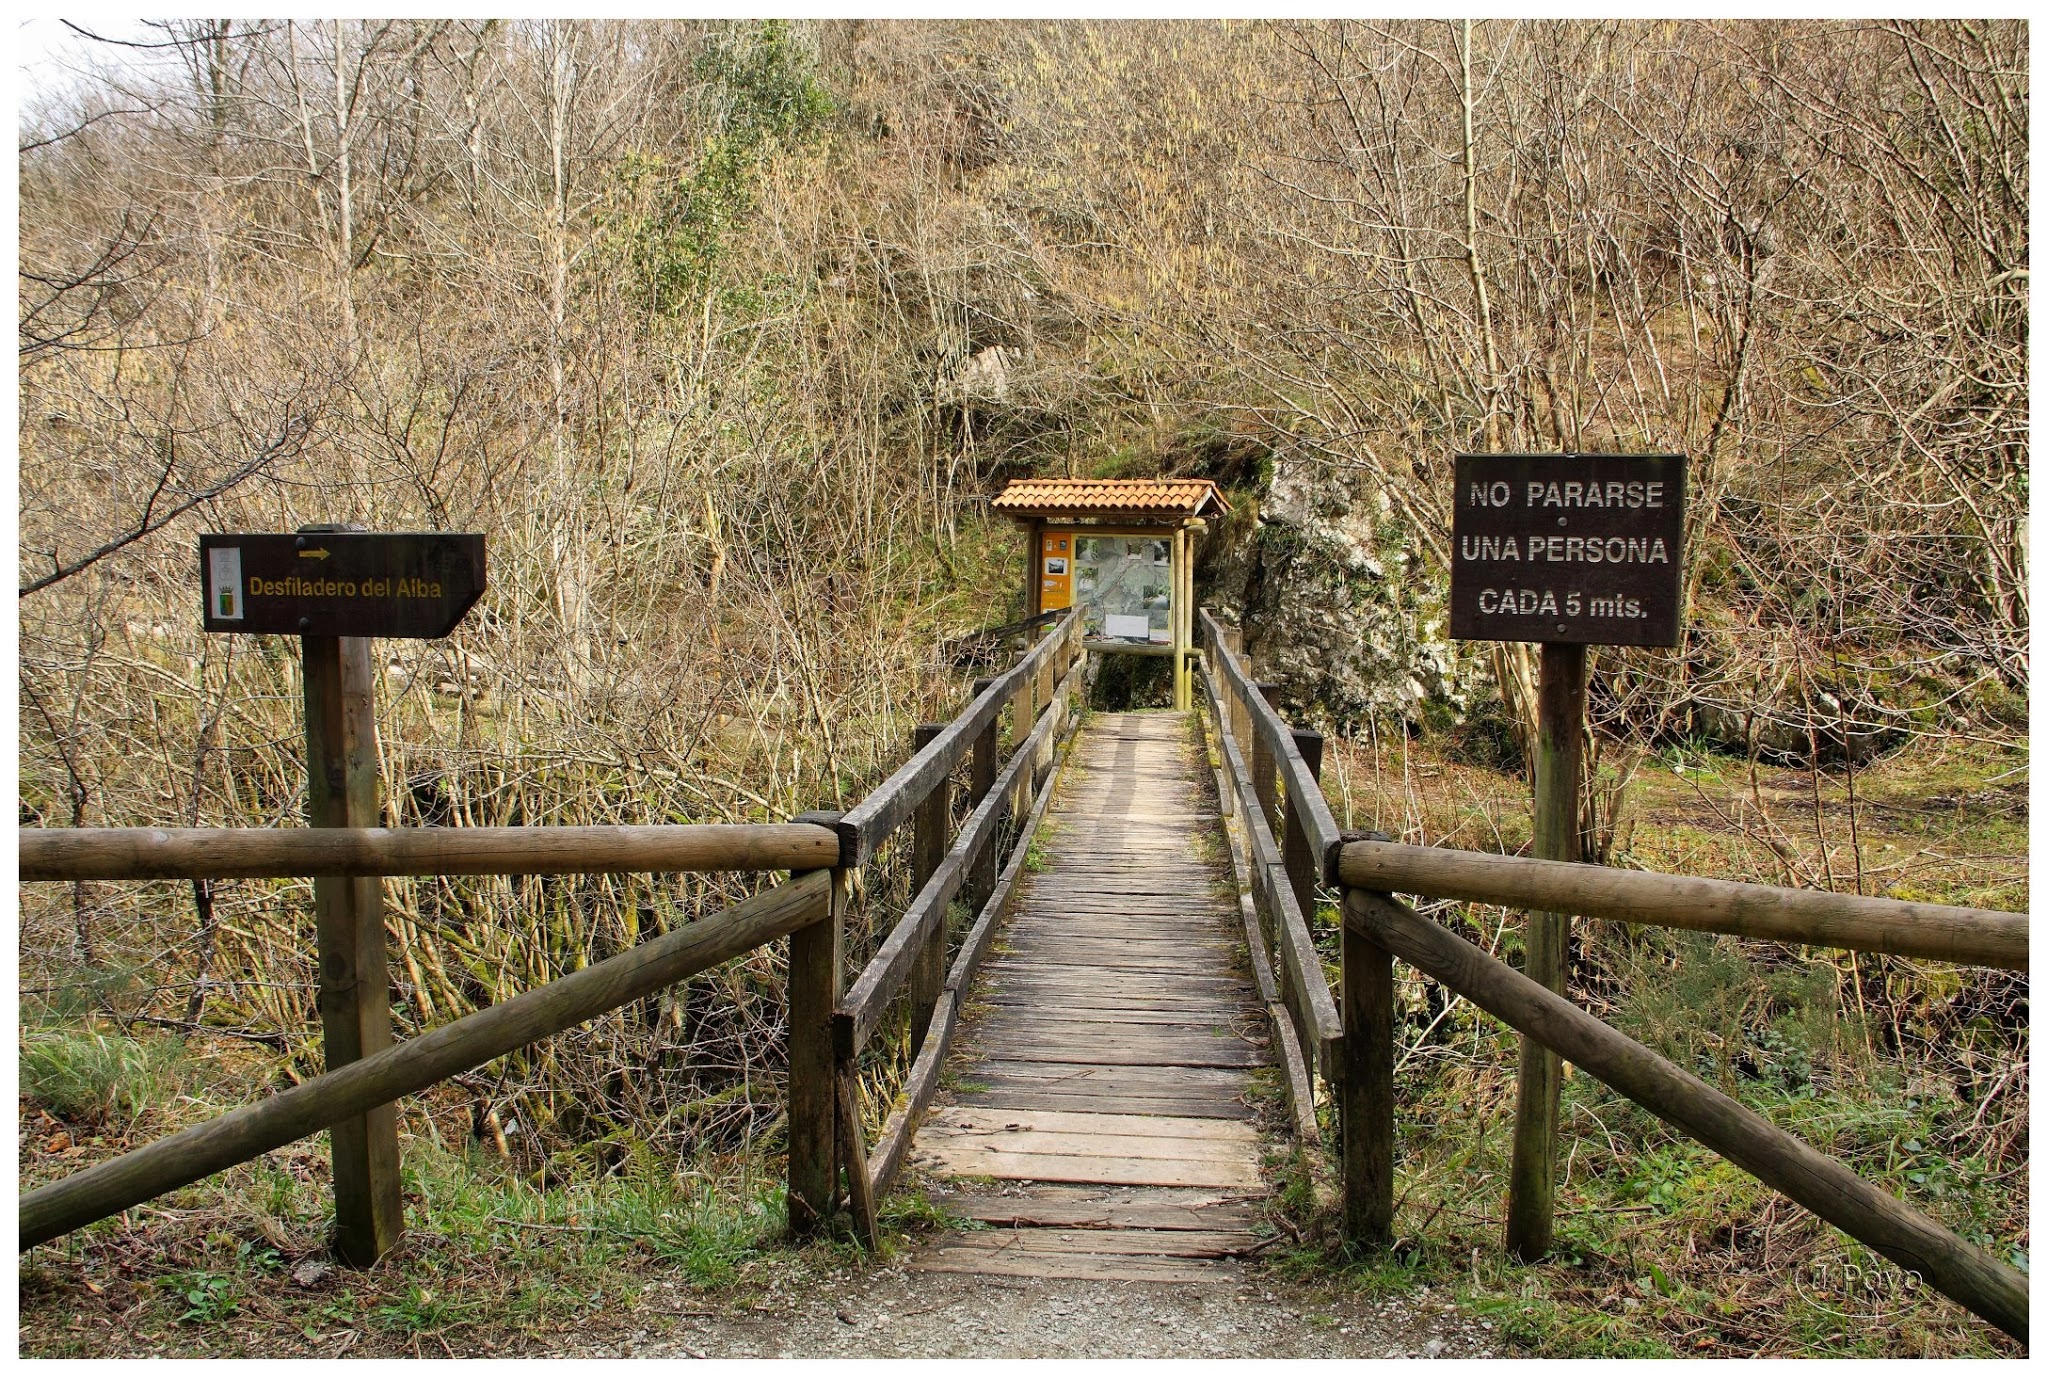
{"x": 1334, "y": 604}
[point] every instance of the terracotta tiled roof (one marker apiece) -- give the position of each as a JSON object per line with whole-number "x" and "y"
{"x": 1178, "y": 497}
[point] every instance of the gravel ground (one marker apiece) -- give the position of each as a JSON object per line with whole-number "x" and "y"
{"x": 890, "y": 1313}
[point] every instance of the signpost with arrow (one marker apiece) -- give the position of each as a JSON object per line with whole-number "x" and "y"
{"x": 322, "y": 581}
{"x": 336, "y": 588}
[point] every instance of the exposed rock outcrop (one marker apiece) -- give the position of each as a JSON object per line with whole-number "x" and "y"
{"x": 1336, "y": 606}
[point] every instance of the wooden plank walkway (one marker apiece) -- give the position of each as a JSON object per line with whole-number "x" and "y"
{"x": 1103, "y": 1085}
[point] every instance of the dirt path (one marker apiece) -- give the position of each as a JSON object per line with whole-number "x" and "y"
{"x": 891, "y": 1312}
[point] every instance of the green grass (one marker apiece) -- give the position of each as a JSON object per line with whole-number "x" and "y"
{"x": 1912, "y": 1074}
{"x": 908, "y": 1210}
{"x": 703, "y": 1233}
{"x": 487, "y": 1260}
{"x": 1662, "y": 1246}
{"x": 89, "y": 1076}
{"x": 421, "y": 1310}
{"x": 208, "y": 1298}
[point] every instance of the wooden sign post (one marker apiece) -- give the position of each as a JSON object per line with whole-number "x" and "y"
{"x": 348, "y": 915}
{"x": 1568, "y": 551}
{"x": 337, "y": 589}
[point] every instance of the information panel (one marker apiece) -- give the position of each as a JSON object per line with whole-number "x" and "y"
{"x": 341, "y": 583}
{"x": 1125, "y": 586}
{"x": 1568, "y": 548}
{"x": 1056, "y": 571}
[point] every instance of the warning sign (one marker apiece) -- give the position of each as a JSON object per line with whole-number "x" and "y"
{"x": 1568, "y": 548}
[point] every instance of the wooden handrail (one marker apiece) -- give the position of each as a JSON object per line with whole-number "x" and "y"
{"x": 920, "y": 930}
{"x": 861, "y": 1009}
{"x": 863, "y": 828}
{"x": 966, "y": 640}
{"x": 819, "y": 846}
{"x": 240, "y": 853}
{"x": 1958, "y": 1269}
{"x": 1307, "y": 985}
{"x": 894, "y": 1140}
{"x": 418, "y": 1063}
{"x": 1979, "y": 937}
{"x": 1318, "y": 824}
{"x": 1298, "y": 1067}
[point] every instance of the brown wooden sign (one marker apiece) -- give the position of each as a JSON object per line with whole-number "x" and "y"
{"x": 1568, "y": 548}
{"x": 341, "y": 583}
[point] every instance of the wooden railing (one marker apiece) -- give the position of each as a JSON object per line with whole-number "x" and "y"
{"x": 1040, "y": 690}
{"x": 809, "y": 909}
{"x": 418, "y": 1063}
{"x": 1267, "y": 772}
{"x": 1377, "y": 927}
{"x": 1268, "y": 780}
{"x": 1817, "y": 918}
{"x": 248, "y": 853}
{"x": 986, "y": 646}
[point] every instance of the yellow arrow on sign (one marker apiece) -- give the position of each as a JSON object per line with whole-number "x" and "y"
{"x": 312, "y": 555}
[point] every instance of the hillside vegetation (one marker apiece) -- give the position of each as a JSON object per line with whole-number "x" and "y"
{"x": 723, "y": 333}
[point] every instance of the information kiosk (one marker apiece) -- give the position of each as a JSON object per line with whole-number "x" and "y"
{"x": 1123, "y": 550}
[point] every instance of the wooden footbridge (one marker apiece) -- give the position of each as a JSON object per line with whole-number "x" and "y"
{"x": 1133, "y": 1009}
{"x": 1108, "y": 1086}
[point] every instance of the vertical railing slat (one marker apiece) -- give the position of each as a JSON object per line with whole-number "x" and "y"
{"x": 931, "y": 836}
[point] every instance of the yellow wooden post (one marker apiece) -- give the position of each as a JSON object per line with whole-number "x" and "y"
{"x": 1182, "y": 586}
{"x": 1034, "y": 545}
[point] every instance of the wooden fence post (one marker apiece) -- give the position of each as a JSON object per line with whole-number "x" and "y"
{"x": 1532, "y": 1174}
{"x": 981, "y": 880}
{"x": 1044, "y": 678}
{"x": 1365, "y": 1092}
{"x": 932, "y": 827}
{"x": 1304, "y": 867}
{"x": 1024, "y": 710}
{"x": 815, "y": 977}
{"x": 1230, "y": 642}
{"x": 354, "y": 993}
{"x": 1061, "y": 694}
{"x": 853, "y": 1152}
{"x": 1265, "y": 783}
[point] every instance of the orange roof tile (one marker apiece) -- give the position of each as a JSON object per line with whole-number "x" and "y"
{"x": 1178, "y": 497}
